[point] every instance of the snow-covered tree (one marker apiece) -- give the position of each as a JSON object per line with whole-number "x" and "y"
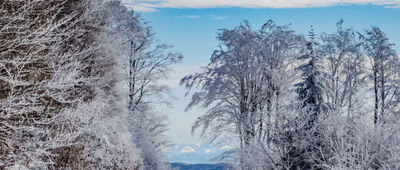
{"x": 303, "y": 151}
{"x": 311, "y": 89}
{"x": 384, "y": 63}
{"x": 144, "y": 64}
{"x": 245, "y": 86}
{"x": 343, "y": 68}
{"x": 62, "y": 103}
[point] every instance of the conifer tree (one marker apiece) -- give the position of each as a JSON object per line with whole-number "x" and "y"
{"x": 310, "y": 89}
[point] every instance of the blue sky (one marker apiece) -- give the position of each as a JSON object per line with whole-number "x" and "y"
{"x": 192, "y": 29}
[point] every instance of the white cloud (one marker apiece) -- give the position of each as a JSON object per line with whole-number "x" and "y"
{"x": 219, "y": 17}
{"x": 141, "y": 8}
{"x": 152, "y": 5}
{"x": 225, "y": 147}
{"x": 207, "y": 151}
{"x": 187, "y": 149}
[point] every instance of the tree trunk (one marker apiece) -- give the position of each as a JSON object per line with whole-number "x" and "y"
{"x": 376, "y": 95}
{"x": 382, "y": 91}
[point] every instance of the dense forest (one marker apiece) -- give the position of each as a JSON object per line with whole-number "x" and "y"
{"x": 76, "y": 82}
{"x": 79, "y": 80}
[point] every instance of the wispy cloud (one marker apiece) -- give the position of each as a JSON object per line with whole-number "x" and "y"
{"x": 219, "y": 17}
{"x": 187, "y": 149}
{"x": 141, "y": 7}
{"x": 393, "y": 6}
{"x": 152, "y": 5}
{"x": 190, "y": 16}
{"x": 207, "y": 151}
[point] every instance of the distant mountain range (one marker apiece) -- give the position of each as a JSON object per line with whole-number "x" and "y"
{"x": 195, "y": 153}
{"x": 183, "y": 166}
